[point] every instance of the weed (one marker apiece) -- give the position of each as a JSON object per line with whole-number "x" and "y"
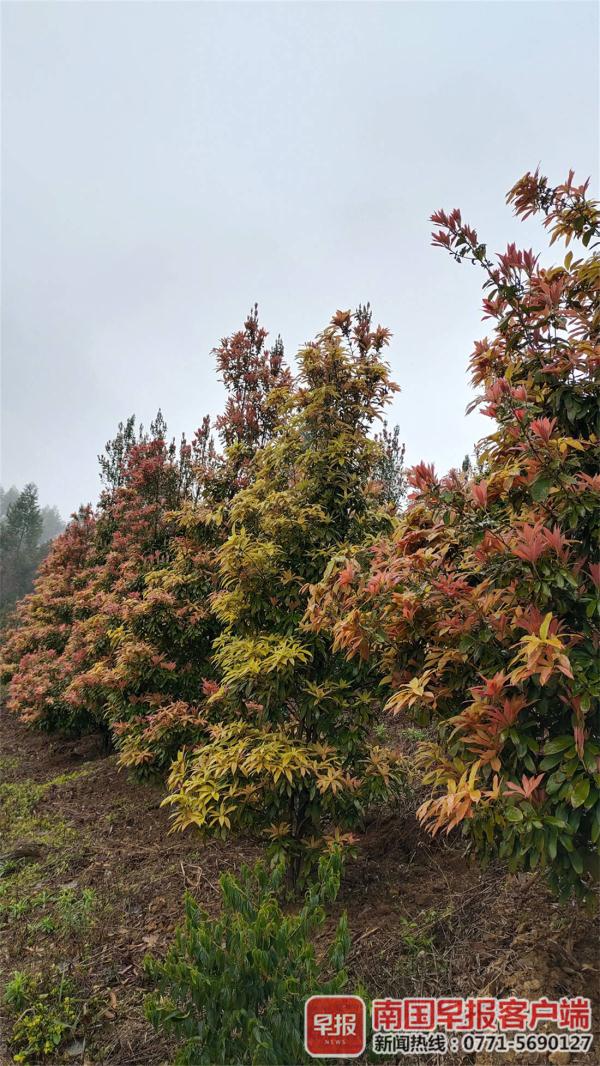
{"x": 19, "y": 821}
{"x": 414, "y": 734}
{"x": 18, "y": 890}
{"x": 418, "y": 933}
{"x": 18, "y": 907}
{"x": 418, "y": 951}
{"x": 9, "y": 764}
{"x": 75, "y": 912}
{"x": 15, "y": 994}
{"x": 18, "y": 800}
{"x": 66, "y": 779}
{"x": 42, "y": 925}
{"x": 45, "y": 1011}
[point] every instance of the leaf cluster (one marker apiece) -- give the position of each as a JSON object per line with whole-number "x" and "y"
{"x": 232, "y": 989}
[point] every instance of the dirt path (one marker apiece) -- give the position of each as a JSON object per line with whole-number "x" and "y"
{"x": 100, "y": 883}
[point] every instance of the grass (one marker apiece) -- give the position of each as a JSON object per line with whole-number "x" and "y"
{"x": 19, "y": 819}
{"x": 42, "y": 917}
{"x": 29, "y": 834}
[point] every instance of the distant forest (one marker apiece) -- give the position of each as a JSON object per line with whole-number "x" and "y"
{"x": 26, "y": 531}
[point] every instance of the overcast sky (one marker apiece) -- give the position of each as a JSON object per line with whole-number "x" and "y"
{"x": 165, "y": 165}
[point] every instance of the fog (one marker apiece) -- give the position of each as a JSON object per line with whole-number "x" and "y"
{"x": 166, "y": 165}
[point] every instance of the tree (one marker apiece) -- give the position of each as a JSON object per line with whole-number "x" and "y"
{"x": 162, "y": 675}
{"x": 252, "y": 374}
{"x": 148, "y": 675}
{"x": 25, "y": 532}
{"x": 289, "y": 749}
{"x": 20, "y": 554}
{"x": 52, "y": 524}
{"x": 125, "y": 646}
{"x": 23, "y": 524}
{"x": 112, "y": 461}
{"x": 133, "y": 537}
{"x": 64, "y": 639}
{"x": 33, "y": 663}
{"x": 389, "y": 470}
{"x": 7, "y": 497}
{"x": 481, "y": 610}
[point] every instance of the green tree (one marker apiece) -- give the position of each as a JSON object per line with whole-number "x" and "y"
{"x": 290, "y": 751}
{"x": 7, "y": 496}
{"x": 52, "y": 524}
{"x": 20, "y": 554}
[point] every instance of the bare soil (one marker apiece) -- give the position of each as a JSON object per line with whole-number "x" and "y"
{"x": 423, "y": 919}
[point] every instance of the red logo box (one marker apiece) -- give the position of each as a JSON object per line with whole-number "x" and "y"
{"x": 335, "y": 1026}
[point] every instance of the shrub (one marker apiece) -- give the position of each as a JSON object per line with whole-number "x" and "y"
{"x": 34, "y": 669}
{"x": 118, "y": 632}
{"x": 158, "y": 625}
{"x": 481, "y": 609}
{"x": 232, "y": 990}
{"x": 121, "y": 649}
{"x": 60, "y": 655}
{"x": 290, "y": 753}
{"x": 245, "y": 777}
{"x": 162, "y": 646}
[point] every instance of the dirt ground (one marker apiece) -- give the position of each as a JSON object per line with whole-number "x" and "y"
{"x": 92, "y": 881}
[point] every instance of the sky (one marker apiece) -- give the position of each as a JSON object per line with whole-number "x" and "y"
{"x": 167, "y": 165}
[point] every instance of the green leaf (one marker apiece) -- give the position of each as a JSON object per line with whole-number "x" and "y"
{"x": 514, "y": 814}
{"x": 580, "y": 791}
{"x": 558, "y": 822}
{"x": 576, "y": 861}
{"x": 555, "y": 781}
{"x": 558, "y": 744}
{"x": 550, "y": 760}
{"x": 540, "y": 488}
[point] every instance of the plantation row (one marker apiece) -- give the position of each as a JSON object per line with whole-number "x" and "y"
{"x": 236, "y": 615}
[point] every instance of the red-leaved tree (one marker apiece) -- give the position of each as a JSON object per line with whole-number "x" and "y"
{"x": 482, "y": 608}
